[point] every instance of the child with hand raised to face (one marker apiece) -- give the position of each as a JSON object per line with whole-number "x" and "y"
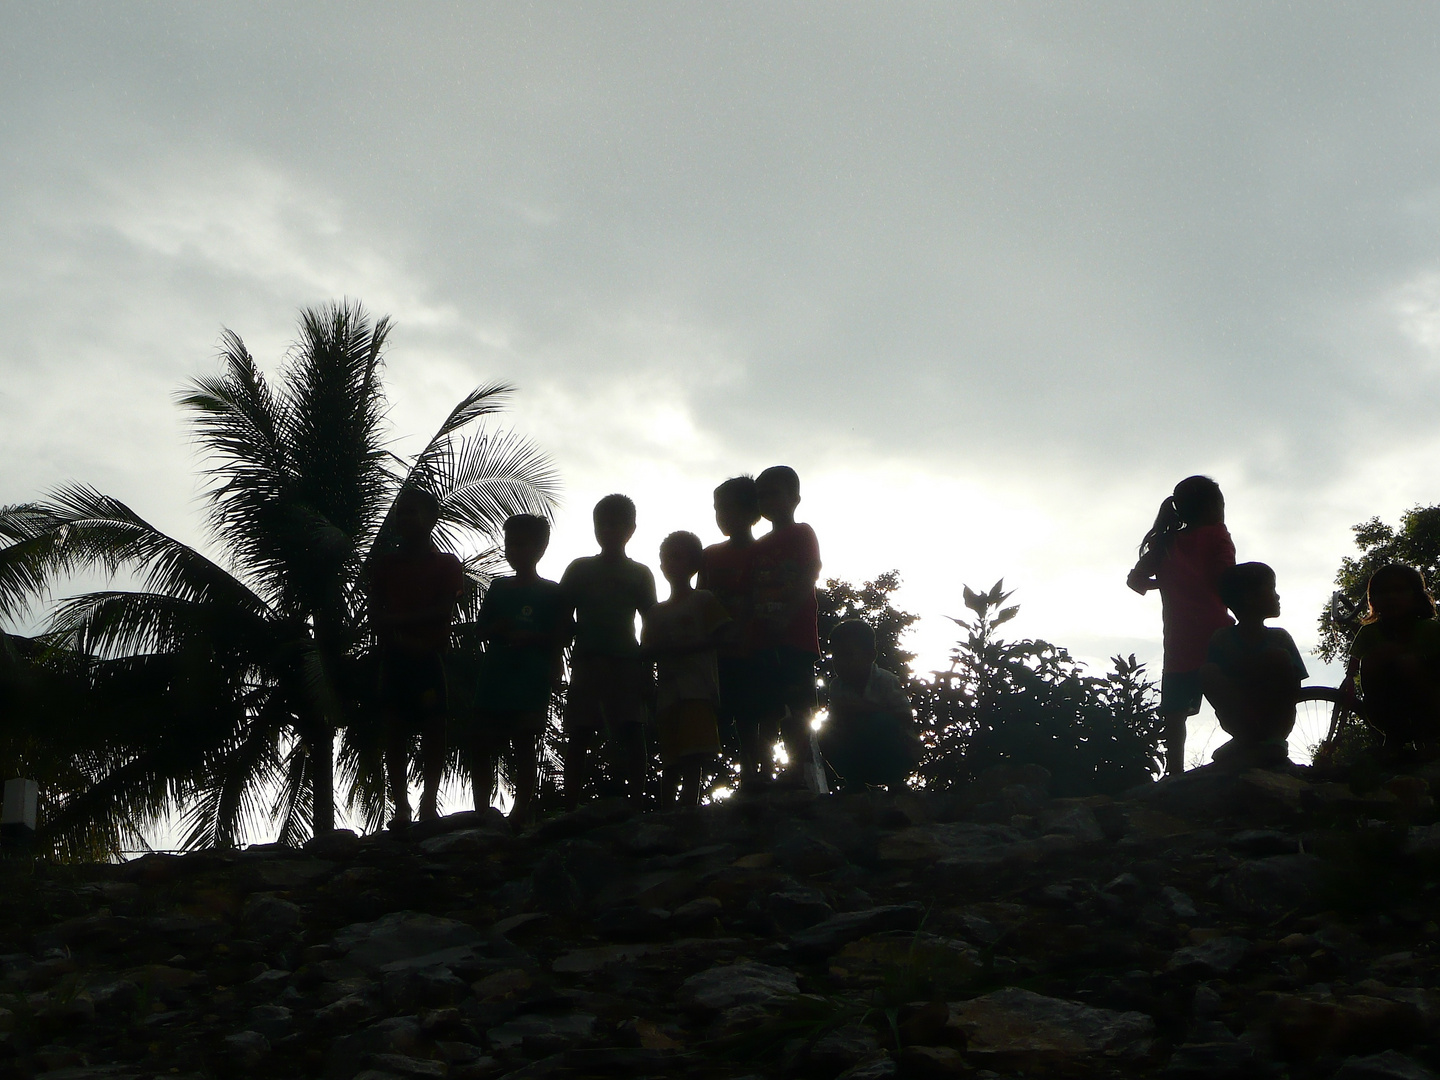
{"x": 525, "y": 626}
{"x": 1183, "y": 555}
{"x": 1396, "y": 655}
{"x": 785, "y": 566}
{"x": 609, "y": 678}
{"x": 681, "y": 635}
{"x": 1252, "y": 672}
{"x": 725, "y": 571}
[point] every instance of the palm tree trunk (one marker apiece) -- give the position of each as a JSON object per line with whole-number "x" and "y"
{"x": 322, "y": 759}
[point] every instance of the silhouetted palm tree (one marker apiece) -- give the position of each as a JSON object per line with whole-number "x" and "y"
{"x": 223, "y": 680}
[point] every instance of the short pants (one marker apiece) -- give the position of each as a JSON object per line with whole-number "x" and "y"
{"x": 497, "y": 729}
{"x": 685, "y": 729}
{"x": 412, "y": 685}
{"x": 607, "y": 692}
{"x": 785, "y": 679}
{"x": 740, "y": 702}
{"x": 1180, "y": 693}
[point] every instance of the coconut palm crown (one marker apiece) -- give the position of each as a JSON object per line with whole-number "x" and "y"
{"x": 217, "y": 686}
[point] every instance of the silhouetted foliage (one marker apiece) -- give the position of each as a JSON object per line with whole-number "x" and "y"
{"x": 1029, "y": 701}
{"x": 1415, "y": 543}
{"x": 222, "y": 686}
{"x": 839, "y": 600}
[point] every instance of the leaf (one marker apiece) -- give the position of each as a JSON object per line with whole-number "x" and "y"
{"x": 1006, "y": 615}
{"x": 976, "y": 602}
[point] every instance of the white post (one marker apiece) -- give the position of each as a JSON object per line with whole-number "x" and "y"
{"x": 17, "y": 821}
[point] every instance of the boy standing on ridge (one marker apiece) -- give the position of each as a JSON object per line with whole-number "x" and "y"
{"x": 725, "y": 571}
{"x": 413, "y": 590}
{"x": 609, "y": 680}
{"x": 681, "y": 633}
{"x": 785, "y": 565}
{"x": 525, "y": 627}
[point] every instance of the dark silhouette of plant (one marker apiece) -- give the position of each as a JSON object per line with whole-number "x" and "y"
{"x": 1029, "y": 701}
{"x": 1415, "y": 543}
{"x": 239, "y": 675}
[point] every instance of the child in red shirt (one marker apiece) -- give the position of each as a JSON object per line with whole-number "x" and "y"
{"x": 413, "y": 590}
{"x": 1183, "y": 555}
{"x": 784, "y": 566}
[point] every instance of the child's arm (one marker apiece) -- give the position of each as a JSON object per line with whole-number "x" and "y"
{"x": 1142, "y": 577}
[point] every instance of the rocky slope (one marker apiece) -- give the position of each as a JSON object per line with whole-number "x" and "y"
{"x": 1210, "y": 926}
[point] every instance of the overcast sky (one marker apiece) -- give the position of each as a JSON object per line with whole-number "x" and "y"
{"x": 992, "y": 277}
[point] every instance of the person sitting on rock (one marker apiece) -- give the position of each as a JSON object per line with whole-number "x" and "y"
{"x": 869, "y": 736}
{"x": 1396, "y": 655}
{"x": 1252, "y": 672}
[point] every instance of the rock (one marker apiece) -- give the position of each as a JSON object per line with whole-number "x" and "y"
{"x": 700, "y": 910}
{"x": 586, "y": 960}
{"x": 826, "y": 937}
{"x": 880, "y": 1066}
{"x": 1217, "y": 956}
{"x": 398, "y": 1035}
{"x": 566, "y": 1029}
{"x": 1076, "y": 820}
{"x": 411, "y": 989}
{"x": 631, "y": 922}
{"x": 1180, "y": 905}
{"x": 1304, "y": 1026}
{"x": 1258, "y": 843}
{"x": 933, "y": 1061}
{"x": 345, "y": 1012}
{"x": 808, "y": 855}
{"x": 403, "y": 1065}
{"x": 269, "y": 916}
{"x": 728, "y": 985}
{"x": 1217, "y": 1060}
{"x": 961, "y": 845}
{"x": 843, "y": 1047}
{"x": 796, "y": 908}
{"x": 247, "y": 1048}
{"x": 272, "y": 1021}
{"x": 405, "y": 937}
{"x": 1018, "y": 1029}
{"x": 1386, "y": 1065}
{"x": 465, "y": 842}
{"x": 1267, "y": 888}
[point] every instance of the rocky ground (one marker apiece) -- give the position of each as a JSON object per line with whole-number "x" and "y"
{"x": 1210, "y": 926}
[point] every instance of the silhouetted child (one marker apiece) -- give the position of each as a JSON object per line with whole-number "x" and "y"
{"x": 525, "y": 626}
{"x": 1183, "y": 555}
{"x": 785, "y": 565}
{"x": 1396, "y": 654}
{"x": 1252, "y": 672}
{"x": 609, "y": 679}
{"x": 725, "y": 571}
{"x": 412, "y": 597}
{"x": 869, "y": 736}
{"x": 681, "y": 635}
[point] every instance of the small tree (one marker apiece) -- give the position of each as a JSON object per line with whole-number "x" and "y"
{"x": 1415, "y": 543}
{"x": 840, "y": 601}
{"x": 1030, "y": 701}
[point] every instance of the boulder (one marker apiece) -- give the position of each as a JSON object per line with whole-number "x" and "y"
{"x": 827, "y": 936}
{"x": 407, "y": 937}
{"x": 1019, "y": 1029}
{"x": 727, "y": 985}
{"x": 1386, "y": 1065}
{"x": 1216, "y": 956}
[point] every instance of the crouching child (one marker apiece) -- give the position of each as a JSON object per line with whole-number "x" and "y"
{"x": 869, "y": 738}
{"x": 1252, "y": 672}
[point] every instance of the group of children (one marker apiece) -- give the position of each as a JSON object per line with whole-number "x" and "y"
{"x": 734, "y": 647}
{"x": 1251, "y": 673}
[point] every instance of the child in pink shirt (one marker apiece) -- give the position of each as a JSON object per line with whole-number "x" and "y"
{"x": 1183, "y": 555}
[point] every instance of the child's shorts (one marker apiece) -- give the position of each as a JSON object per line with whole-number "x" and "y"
{"x": 412, "y": 685}
{"x": 1180, "y": 693}
{"x": 607, "y": 693}
{"x": 785, "y": 679}
{"x": 685, "y": 729}
{"x": 740, "y": 691}
{"x": 496, "y": 730}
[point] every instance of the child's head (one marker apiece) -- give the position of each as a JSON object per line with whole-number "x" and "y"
{"x": 526, "y": 538}
{"x": 614, "y": 523}
{"x": 1248, "y": 589}
{"x": 852, "y": 644}
{"x": 680, "y": 557}
{"x": 1196, "y": 501}
{"x": 1397, "y": 591}
{"x": 737, "y": 507}
{"x": 416, "y": 512}
{"x": 777, "y": 492}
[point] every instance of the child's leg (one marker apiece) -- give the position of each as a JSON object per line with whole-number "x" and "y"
{"x": 577, "y": 745}
{"x": 396, "y": 768}
{"x": 798, "y": 673}
{"x": 527, "y": 776}
{"x": 691, "y": 769}
{"x": 671, "y": 777}
{"x": 633, "y": 759}
{"x": 582, "y": 719}
{"x": 1180, "y": 695}
{"x": 482, "y": 766}
{"x": 432, "y": 758}
{"x": 1173, "y": 725}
